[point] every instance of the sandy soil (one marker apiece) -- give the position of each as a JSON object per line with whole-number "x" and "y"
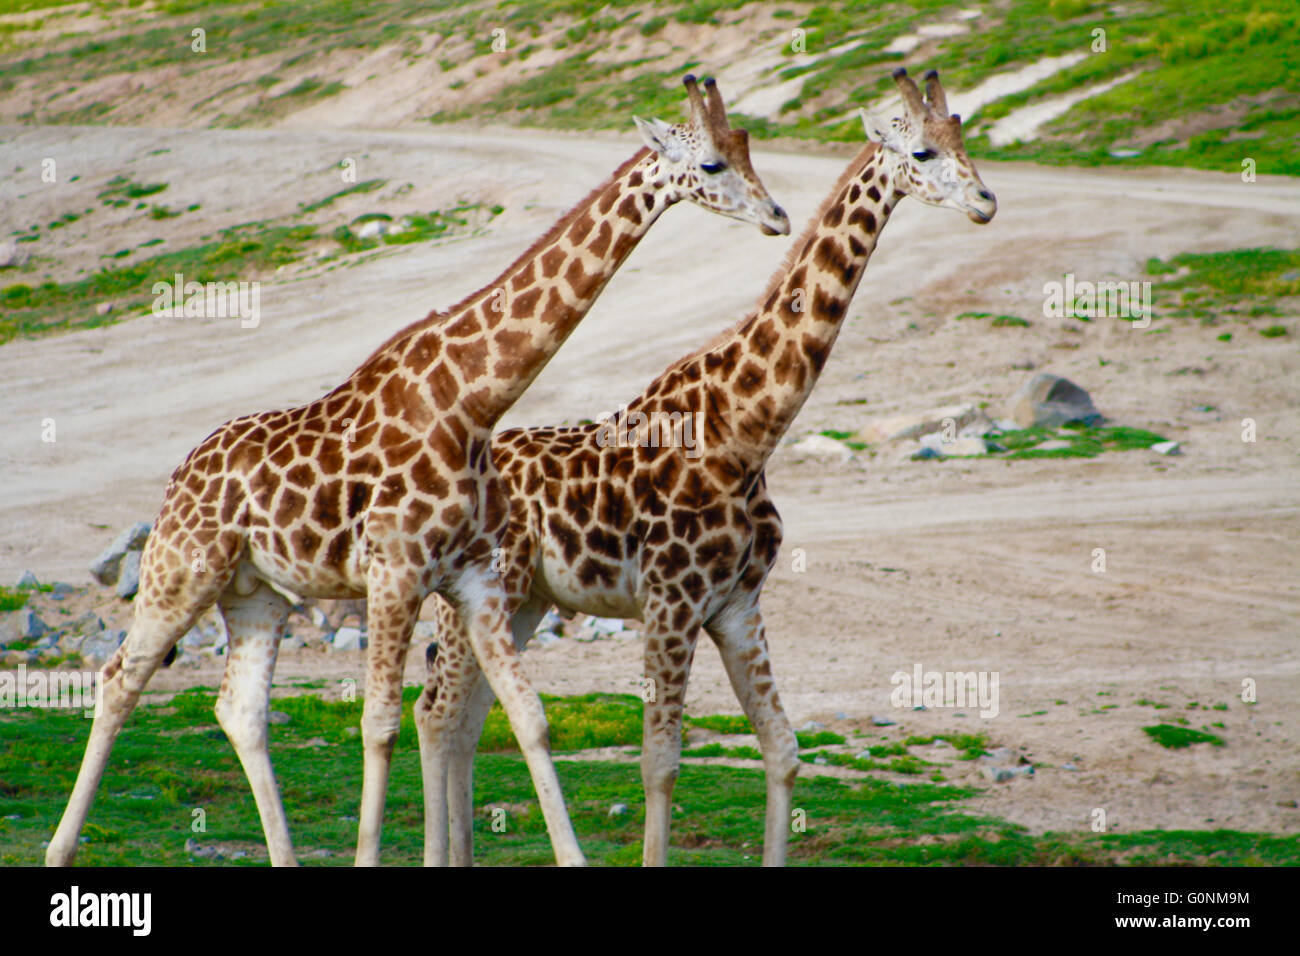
{"x": 958, "y": 565}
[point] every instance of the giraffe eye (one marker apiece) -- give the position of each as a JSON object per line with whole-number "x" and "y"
{"x": 713, "y": 168}
{"x": 922, "y": 155}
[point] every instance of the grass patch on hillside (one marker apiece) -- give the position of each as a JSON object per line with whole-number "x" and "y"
{"x": 1085, "y": 441}
{"x": 241, "y": 253}
{"x": 171, "y": 759}
{"x": 1242, "y": 285}
{"x": 1176, "y": 738}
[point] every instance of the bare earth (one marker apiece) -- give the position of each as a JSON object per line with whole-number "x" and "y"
{"x": 960, "y": 565}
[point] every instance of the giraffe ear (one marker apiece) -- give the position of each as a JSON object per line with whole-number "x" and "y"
{"x": 878, "y": 132}
{"x": 661, "y": 138}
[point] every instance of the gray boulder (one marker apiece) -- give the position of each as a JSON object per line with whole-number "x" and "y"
{"x": 28, "y": 582}
{"x": 105, "y": 568}
{"x": 98, "y": 648}
{"x": 1047, "y": 400}
{"x": 128, "y": 577}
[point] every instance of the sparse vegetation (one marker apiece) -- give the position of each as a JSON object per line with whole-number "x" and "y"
{"x": 1177, "y": 738}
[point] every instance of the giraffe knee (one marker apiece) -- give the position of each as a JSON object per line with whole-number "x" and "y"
{"x": 379, "y": 729}
{"x": 246, "y": 727}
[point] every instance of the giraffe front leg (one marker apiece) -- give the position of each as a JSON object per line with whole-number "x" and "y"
{"x": 120, "y": 683}
{"x": 483, "y": 609}
{"x": 255, "y": 623}
{"x": 392, "y": 612}
{"x": 668, "y": 655}
{"x": 743, "y": 645}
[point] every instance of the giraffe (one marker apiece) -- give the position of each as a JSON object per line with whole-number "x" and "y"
{"x": 684, "y": 537}
{"x": 385, "y": 489}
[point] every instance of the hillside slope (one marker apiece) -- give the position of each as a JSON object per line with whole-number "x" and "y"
{"x": 1170, "y": 82}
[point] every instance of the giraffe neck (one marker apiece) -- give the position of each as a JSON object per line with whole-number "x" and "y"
{"x": 484, "y": 352}
{"x": 759, "y": 374}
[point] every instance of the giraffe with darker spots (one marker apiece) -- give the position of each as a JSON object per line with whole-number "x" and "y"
{"x": 683, "y": 538}
{"x": 385, "y": 489}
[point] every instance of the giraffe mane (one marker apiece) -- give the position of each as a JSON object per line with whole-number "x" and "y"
{"x": 542, "y": 242}
{"x": 788, "y": 261}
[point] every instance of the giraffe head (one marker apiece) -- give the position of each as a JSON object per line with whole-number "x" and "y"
{"x": 706, "y": 162}
{"x": 924, "y": 146}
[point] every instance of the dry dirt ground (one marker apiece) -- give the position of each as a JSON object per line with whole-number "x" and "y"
{"x": 959, "y": 565}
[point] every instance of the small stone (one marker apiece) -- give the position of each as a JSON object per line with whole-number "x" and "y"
{"x": 28, "y": 582}
{"x": 618, "y": 810}
{"x": 605, "y": 625}
{"x": 820, "y": 760}
{"x": 840, "y": 715}
{"x": 278, "y": 717}
{"x": 1125, "y": 153}
{"x": 352, "y": 731}
{"x": 546, "y": 638}
{"x": 1052, "y": 444}
{"x": 821, "y": 448}
{"x": 882, "y": 722}
{"x": 1069, "y": 766}
{"x": 320, "y": 741}
{"x": 104, "y": 308}
{"x": 1166, "y": 448}
{"x": 372, "y": 229}
{"x": 925, "y": 453}
{"x": 811, "y": 727}
{"x": 128, "y": 578}
{"x": 349, "y": 639}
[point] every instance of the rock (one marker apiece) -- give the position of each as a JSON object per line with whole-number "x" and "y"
{"x": 104, "y": 568}
{"x": 1069, "y": 766}
{"x": 964, "y": 417}
{"x": 321, "y": 620}
{"x": 372, "y": 229}
{"x": 13, "y": 254}
{"x": 821, "y": 448}
{"x": 606, "y": 625}
{"x": 30, "y": 625}
{"x": 551, "y": 621}
{"x": 1166, "y": 448}
{"x": 1006, "y": 425}
{"x": 1047, "y": 400}
{"x": 882, "y": 722}
{"x": 278, "y": 717}
{"x": 925, "y": 453}
{"x": 618, "y": 810}
{"x": 98, "y": 648}
{"x": 349, "y": 639}
{"x": 840, "y": 715}
{"x": 545, "y": 638}
{"x": 959, "y": 446}
{"x": 1003, "y": 774}
{"x": 811, "y": 727}
{"x": 820, "y": 760}
{"x": 59, "y": 590}
{"x": 28, "y": 582}
{"x": 104, "y": 308}
{"x": 128, "y": 576}
{"x": 1052, "y": 444}
{"x": 201, "y": 852}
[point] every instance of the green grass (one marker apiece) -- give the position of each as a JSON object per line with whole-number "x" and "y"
{"x": 172, "y": 759}
{"x": 12, "y": 599}
{"x": 240, "y": 253}
{"x": 1176, "y": 738}
{"x": 1085, "y": 441}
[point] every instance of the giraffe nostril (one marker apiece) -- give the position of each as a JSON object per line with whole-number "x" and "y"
{"x": 985, "y": 195}
{"x": 779, "y": 212}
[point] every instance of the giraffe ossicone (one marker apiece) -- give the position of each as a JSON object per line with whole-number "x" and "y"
{"x": 385, "y": 489}
{"x": 644, "y": 530}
